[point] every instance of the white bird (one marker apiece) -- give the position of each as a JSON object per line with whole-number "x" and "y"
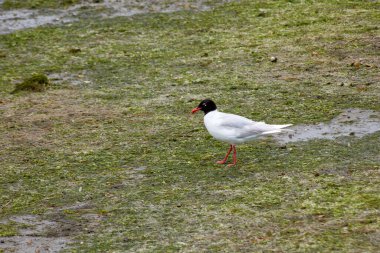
{"x": 233, "y": 129}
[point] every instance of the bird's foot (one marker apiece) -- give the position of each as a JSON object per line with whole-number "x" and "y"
{"x": 231, "y": 164}
{"x": 221, "y": 162}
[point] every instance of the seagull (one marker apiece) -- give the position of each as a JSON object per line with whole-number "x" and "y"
{"x": 232, "y": 128}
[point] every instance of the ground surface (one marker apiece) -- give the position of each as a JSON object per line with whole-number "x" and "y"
{"x": 109, "y": 158}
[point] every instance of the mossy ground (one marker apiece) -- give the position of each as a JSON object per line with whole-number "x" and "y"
{"x": 36, "y": 82}
{"x": 115, "y": 131}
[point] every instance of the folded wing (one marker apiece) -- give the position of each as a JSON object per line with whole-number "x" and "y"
{"x": 246, "y": 128}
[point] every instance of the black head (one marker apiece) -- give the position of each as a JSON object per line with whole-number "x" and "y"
{"x": 206, "y": 106}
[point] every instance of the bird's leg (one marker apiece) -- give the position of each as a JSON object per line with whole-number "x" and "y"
{"x": 233, "y": 156}
{"x": 225, "y": 158}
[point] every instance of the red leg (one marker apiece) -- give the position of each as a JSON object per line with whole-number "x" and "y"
{"x": 234, "y": 157}
{"x": 225, "y": 158}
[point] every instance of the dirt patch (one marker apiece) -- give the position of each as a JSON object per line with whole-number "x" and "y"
{"x": 14, "y": 20}
{"x": 351, "y": 122}
{"x": 36, "y": 119}
{"x": 32, "y": 244}
{"x": 33, "y": 238}
{"x": 51, "y": 232}
{"x": 75, "y": 80}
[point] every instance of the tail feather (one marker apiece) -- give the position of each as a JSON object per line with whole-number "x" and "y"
{"x": 272, "y": 132}
{"x": 283, "y": 126}
{"x": 278, "y": 130}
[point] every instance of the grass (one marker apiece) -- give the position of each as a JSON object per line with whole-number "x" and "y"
{"x": 115, "y": 130}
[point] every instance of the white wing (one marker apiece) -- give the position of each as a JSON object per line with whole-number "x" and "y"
{"x": 236, "y": 129}
{"x": 244, "y": 127}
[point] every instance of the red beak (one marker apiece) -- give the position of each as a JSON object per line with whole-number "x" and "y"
{"x": 195, "y": 110}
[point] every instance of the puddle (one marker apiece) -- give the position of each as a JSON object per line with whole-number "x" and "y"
{"x": 52, "y": 232}
{"x": 21, "y": 19}
{"x": 14, "y": 20}
{"x": 351, "y": 122}
{"x": 32, "y": 244}
{"x": 73, "y": 79}
{"x": 33, "y": 237}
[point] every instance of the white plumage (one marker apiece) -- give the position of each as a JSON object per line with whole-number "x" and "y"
{"x": 233, "y": 129}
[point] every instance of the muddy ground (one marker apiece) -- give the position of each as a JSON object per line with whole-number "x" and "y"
{"x": 351, "y": 122}
{"x": 13, "y": 20}
{"x": 51, "y": 232}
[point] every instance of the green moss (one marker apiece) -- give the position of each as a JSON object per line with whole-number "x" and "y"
{"x": 36, "y": 83}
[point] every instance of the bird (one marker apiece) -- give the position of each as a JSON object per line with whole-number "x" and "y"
{"x": 232, "y": 128}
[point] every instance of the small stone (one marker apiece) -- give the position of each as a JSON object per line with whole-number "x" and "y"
{"x": 356, "y": 64}
{"x": 273, "y": 59}
{"x": 117, "y": 186}
{"x": 262, "y": 13}
{"x": 74, "y": 50}
{"x": 361, "y": 87}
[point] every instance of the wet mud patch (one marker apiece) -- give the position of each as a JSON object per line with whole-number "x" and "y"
{"x": 51, "y": 232}
{"x": 14, "y": 20}
{"x": 351, "y": 122}
{"x": 69, "y": 79}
